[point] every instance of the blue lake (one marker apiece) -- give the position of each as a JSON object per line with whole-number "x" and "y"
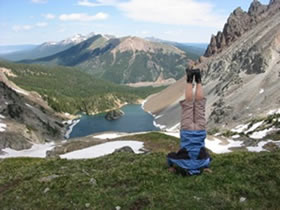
{"x": 134, "y": 120}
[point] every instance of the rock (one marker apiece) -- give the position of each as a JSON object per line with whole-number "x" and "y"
{"x": 93, "y": 181}
{"x": 196, "y": 198}
{"x": 48, "y": 178}
{"x": 144, "y": 150}
{"x": 125, "y": 149}
{"x": 46, "y": 190}
{"x": 271, "y": 146}
{"x": 114, "y": 114}
{"x": 242, "y": 199}
{"x": 118, "y": 208}
{"x": 87, "y": 205}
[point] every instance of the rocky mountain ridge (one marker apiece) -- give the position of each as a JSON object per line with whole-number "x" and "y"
{"x": 241, "y": 82}
{"x": 27, "y": 118}
{"x": 240, "y": 22}
{"x": 47, "y": 48}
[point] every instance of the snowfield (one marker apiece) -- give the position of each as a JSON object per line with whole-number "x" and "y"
{"x": 103, "y": 149}
{"x": 37, "y": 150}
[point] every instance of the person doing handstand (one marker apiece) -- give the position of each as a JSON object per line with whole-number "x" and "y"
{"x": 192, "y": 157}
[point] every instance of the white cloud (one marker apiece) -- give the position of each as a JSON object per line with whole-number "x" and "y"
{"x": 83, "y": 17}
{"x": 97, "y": 3}
{"x": 49, "y": 16}
{"x": 41, "y": 24}
{"x": 177, "y": 12}
{"x": 18, "y": 28}
{"x": 87, "y": 3}
{"x": 39, "y": 1}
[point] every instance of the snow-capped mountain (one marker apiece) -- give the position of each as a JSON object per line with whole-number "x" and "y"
{"x": 48, "y": 48}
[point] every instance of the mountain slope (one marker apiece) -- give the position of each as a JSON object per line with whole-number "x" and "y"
{"x": 46, "y": 49}
{"x": 27, "y": 118}
{"x": 5, "y": 49}
{"x": 192, "y": 50}
{"x": 123, "y": 60}
{"x": 240, "y": 82}
{"x": 70, "y": 90}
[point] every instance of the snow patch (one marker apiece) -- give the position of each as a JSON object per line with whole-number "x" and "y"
{"x": 175, "y": 134}
{"x": 2, "y": 127}
{"x": 216, "y": 145}
{"x": 74, "y": 122}
{"x": 261, "y": 91}
{"x": 255, "y": 126}
{"x": 260, "y": 148}
{"x": 261, "y": 134}
{"x": 158, "y": 116}
{"x": 174, "y": 128}
{"x": 21, "y": 91}
{"x": 240, "y": 128}
{"x": 37, "y": 150}
{"x": 108, "y": 136}
{"x": 28, "y": 105}
{"x": 1, "y": 116}
{"x": 159, "y": 125}
{"x": 103, "y": 149}
{"x": 236, "y": 136}
{"x": 274, "y": 111}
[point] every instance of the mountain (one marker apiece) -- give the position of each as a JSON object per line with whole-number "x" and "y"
{"x": 46, "y": 49}
{"x": 5, "y": 49}
{"x": 192, "y": 50}
{"x": 24, "y": 117}
{"x": 239, "y": 22}
{"x": 241, "y": 80}
{"x": 122, "y": 60}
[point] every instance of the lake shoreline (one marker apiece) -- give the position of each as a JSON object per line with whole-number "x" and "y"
{"x": 127, "y": 123}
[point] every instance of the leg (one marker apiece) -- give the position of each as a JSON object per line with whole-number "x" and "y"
{"x": 188, "y": 92}
{"x": 187, "y": 113}
{"x": 199, "y": 112}
{"x": 198, "y": 92}
{"x": 187, "y": 109}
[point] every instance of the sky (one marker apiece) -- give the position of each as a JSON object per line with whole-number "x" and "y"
{"x": 38, "y": 21}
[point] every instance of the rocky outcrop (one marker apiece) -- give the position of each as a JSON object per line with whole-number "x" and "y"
{"x": 114, "y": 114}
{"x": 27, "y": 122}
{"x": 240, "y": 22}
{"x": 124, "y": 149}
{"x": 241, "y": 82}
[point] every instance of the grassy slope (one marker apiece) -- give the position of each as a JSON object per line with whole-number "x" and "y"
{"x": 69, "y": 90}
{"x": 141, "y": 182}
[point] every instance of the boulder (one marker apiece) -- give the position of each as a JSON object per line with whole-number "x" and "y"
{"x": 124, "y": 149}
{"x": 114, "y": 114}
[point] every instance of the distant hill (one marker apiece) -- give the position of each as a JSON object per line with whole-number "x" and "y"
{"x": 192, "y": 50}
{"x": 125, "y": 60}
{"x": 5, "y": 49}
{"x": 43, "y": 50}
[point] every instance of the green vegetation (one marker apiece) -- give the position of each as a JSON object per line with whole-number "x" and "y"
{"x": 240, "y": 180}
{"x": 70, "y": 90}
